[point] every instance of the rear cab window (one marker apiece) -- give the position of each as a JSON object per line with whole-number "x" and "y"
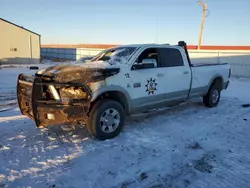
{"x": 170, "y": 57}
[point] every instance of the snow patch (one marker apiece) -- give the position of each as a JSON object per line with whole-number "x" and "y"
{"x": 186, "y": 146}
{"x": 95, "y": 64}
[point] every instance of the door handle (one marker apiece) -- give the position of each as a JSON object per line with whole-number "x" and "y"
{"x": 186, "y": 72}
{"x": 160, "y": 75}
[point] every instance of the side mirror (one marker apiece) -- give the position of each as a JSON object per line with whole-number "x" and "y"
{"x": 145, "y": 64}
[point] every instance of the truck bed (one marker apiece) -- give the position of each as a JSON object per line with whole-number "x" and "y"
{"x": 204, "y": 74}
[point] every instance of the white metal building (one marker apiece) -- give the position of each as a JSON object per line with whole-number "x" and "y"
{"x": 18, "y": 44}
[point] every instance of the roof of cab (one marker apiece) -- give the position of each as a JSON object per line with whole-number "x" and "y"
{"x": 148, "y": 45}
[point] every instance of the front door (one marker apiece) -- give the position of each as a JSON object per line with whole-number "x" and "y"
{"x": 147, "y": 85}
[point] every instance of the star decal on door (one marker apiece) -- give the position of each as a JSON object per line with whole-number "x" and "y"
{"x": 151, "y": 86}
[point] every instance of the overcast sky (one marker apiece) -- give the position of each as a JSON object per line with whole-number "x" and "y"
{"x": 131, "y": 21}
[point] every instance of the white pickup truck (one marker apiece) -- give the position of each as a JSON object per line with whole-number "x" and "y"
{"x": 118, "y": 82}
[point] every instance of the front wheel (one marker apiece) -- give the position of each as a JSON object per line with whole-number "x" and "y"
{"x": 212, "y": 98}
{"x": 106, "y": 119}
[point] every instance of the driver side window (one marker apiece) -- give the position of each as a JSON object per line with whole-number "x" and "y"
{"x": 148, "y": 59}
{"x": 149, "y": 55}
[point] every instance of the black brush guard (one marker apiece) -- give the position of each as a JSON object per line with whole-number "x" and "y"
{"x": 48, "y": 112}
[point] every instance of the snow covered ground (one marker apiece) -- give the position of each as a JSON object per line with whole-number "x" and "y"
{"x": 187, "y": 146}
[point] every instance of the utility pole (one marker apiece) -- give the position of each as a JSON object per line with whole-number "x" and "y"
{"x": 204, "y": 6}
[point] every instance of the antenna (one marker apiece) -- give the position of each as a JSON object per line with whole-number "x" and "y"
{"x": 157, "y": 26}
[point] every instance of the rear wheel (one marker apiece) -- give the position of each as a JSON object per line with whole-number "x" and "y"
{"x": 106, "y": 119}
{"x": 212, "y": 98}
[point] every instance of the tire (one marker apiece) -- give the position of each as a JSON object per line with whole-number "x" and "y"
{"x": 212, "y": 98}
{"x": 106, "y": 119}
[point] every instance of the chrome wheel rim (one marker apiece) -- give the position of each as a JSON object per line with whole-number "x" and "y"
{"x": 215, "y": 96}
{"x": 110, "y": 120}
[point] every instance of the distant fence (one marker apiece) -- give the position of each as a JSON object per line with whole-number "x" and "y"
{"x": 68, "y": 53}
{"x": 238, "y": 59}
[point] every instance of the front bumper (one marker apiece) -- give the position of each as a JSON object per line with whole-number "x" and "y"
{"x": 45, "y": 112}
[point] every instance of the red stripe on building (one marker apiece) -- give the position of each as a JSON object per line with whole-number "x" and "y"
{"x": 105, "y": 46}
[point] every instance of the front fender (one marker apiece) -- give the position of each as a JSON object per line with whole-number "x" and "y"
{"x": 113, "y": 88}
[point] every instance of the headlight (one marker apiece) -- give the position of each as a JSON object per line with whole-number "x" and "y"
{"x": 71, "y": 93}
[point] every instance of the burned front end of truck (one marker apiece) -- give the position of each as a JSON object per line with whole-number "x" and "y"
{"x": 60, "y": 94}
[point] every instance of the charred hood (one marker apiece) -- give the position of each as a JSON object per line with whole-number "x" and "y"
{"x": 84, "y": 73}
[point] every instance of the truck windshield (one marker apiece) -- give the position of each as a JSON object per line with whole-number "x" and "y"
{"x": 119, "y": 54}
